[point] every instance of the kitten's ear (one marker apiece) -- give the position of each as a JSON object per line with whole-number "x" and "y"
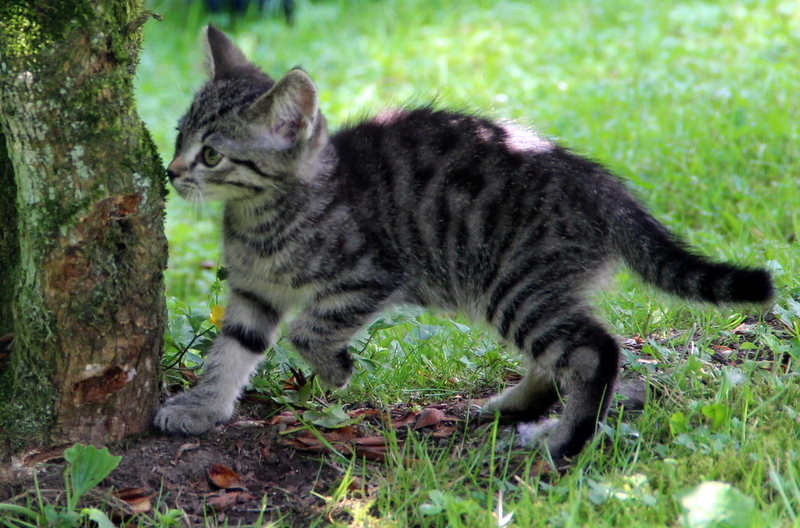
{"x": 289, "y": 110}
{"x": 222, "y": 55}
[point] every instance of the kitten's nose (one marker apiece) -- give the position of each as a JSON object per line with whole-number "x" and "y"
{"x": 174, "y": 169}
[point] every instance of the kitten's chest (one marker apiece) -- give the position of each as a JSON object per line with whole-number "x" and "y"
{"x": 277, "y": 275}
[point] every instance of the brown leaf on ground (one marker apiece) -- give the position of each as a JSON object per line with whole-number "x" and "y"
{"x": 137, "y": 498}
{"x": 356, "y": 484}
{"x": 345, "y": 440}
{"x": 371, "y": 441}
{"x": 540, "y": 467}
{"x": 722, "y": 349}
{"x": 347, "y": 432}
{"x": 286, "y": 418}
{"x": 744, "y": 328}
{"x": 635, "y": 341}
{"x": 441, "y": 430}
{"x": 304, "y": 444}
{"x": 428, "y": 417}
{"x": 364, "y": 413}
{"x": 372, "y": 453}
{"x": 404, "y": 419}
{"x": 224, "y": 501}
{"x": 185, "y": 447}
{"x": 248, "y": 423}
{"x": 224, "y": 477}
{"x": 39, "y": 457}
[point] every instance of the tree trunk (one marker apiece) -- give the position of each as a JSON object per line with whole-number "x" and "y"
{"x": 82, "y": 245}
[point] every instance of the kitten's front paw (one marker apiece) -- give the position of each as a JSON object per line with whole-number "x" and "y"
{"x": 333, "y": 381}
{"x": 187, "y": 414}
{"x": 492, "y": 406}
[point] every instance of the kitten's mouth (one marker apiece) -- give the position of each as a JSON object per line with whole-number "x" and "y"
{"x": 191, "y": 190}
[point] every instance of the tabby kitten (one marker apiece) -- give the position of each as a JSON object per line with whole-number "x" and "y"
{"x": 422, "y": 206}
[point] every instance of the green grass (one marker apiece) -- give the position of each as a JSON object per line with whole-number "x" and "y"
{"x": 694, "y": 104}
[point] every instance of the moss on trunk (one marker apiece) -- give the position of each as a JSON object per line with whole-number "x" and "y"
{"x": 87, "y": 300}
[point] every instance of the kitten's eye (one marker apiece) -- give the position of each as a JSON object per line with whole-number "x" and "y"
{"x": 210, "y": 157}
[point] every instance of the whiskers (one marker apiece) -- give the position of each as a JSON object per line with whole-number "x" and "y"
{"x": 191, "y": 205}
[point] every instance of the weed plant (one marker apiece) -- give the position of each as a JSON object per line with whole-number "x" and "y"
{"x": 694, "y": 104}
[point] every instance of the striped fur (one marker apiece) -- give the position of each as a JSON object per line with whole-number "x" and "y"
{"x": 420, "y": 206}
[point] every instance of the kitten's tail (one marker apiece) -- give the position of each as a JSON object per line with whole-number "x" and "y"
{"x": 662, "y": 259}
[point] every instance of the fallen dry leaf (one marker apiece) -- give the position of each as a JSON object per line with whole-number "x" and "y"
{"x": 305, "y": 443}
{"x": 248, "y": 423}
{"x": 364, "y": 413}
{"x": 347, "y": 432}
{"x": 744, "y": 329}
{"x": 185, "y": 447}
{"x": 355, "y": 484}
{"x": 343, "y": 440}
{"x": 722, "y": 349}
{"x": 37, "y": 457}
{"x": 443, "y": 431}
{"x": 371, "y": 441}
{"x": 404, "y": 419}
{"x": 633, "y": 341}
{"x": 137, "y": 498}
{"x": 540, "y": 467}
{"x": 372, "y": 453}
{"x": 428, "y": 417}
{"x": 285, "y": 417}
{"x": 226, "y": 500}
{"x": 224, "y": 477}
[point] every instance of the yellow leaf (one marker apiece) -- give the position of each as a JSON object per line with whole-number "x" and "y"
{"x": 217, "y": 315}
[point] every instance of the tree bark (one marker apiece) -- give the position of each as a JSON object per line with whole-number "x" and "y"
{"x": 82, "y": 248}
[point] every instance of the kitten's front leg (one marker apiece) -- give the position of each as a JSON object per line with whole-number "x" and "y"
{"x": 247, "y": 331}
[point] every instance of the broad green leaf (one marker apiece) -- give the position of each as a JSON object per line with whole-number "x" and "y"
{"x": 718, "y": 505}
{"x": 88, "y": 466}
{"x": 61, "y": 517}
{"x": 718, "y": 413}
{"x": 694, "y": 364}
{"x": 98, "y": 516}
{"x": 330, "y": 417}
{"x": 678, "y": 424}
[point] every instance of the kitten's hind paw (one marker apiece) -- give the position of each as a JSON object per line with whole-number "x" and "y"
{"x": 184, "y": 414}
{"x": 533, "y": 433}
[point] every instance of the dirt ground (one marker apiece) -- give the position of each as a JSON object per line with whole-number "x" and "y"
{"x": 290, "y": 473}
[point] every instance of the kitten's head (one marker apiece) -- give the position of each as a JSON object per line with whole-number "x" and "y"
{"x": 246, "y": 136}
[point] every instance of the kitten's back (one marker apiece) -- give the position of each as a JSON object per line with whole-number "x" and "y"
{"x": 468, "y": 196}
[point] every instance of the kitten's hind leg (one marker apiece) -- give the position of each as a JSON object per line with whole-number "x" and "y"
{"x": 246, "y": 332}
{"x": 587, "y": 369}
{"x": 322, "y": 332}
{"x": 576, "y": 354}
